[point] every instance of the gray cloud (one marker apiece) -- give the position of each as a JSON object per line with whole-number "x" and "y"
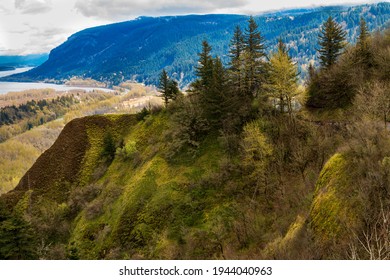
{"x": 25, "y": 28}
{"x": 33, "y": 6}
{"x": 45, "y": 39}
{"x": 48, "y": 38}
{"x": 49, "y": 32}
{"x": 114, "y": 9}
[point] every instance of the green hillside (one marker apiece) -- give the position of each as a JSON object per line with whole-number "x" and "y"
{"x": 83, "y": 201}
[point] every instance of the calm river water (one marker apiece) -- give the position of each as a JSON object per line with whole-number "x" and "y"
{"x": 6, "y": 87}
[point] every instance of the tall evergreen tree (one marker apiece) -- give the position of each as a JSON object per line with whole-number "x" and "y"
{"x": 163, "y": 86}
{"x": 204, "y": 68}
{"x": 331, "y": 41}
{"x": 364, "y": 54}
{"x": 254, "y": 56}
{"x": 215, "y": 96}
{"x": 237, "y": 48}
{"x": 363, "y": 33}
{"x": 167, "y": 87}
{"x": 17, "y": 239}
{"x": 210, "y": 86}
{"x": 173, "y": 89}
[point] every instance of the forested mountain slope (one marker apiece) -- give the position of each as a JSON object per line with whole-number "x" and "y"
{"x": 140, "y": 48}
{"x": 11, "y": 62}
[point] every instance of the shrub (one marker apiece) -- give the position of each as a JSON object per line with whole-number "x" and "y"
{"x": 128, "y": 151}
{"x": 108, "y": 147}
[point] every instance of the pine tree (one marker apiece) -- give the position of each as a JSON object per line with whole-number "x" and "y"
{"x": 163, "y": 86}
{"x": 283, "y": 78}
{"x": 363, "y": 34}
{"x": 17, "y": 239}
{"x": 364, "y": 55}
{"x": 215, "y": 96}
{"x": 331, "y": 41}
{"x": 173, "y": 89}
{"x": 210, "y": 87}
{"x": 237, "y": 48}
{"x": 254, "y": 55}
{"x": 168, "y": 88}
{"x": 109, "y": 148}
{"x": 205, "y": 67}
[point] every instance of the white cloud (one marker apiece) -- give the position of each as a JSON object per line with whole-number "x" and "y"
{"x": 27, "y": 39}
{"x": 47, "y": 39}
{"x": 125, "y": 9}
{"x": 33, "y": 6}
{"x": 29, "y": 33}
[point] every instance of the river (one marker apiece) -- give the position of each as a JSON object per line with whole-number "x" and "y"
{"x": 6, "y": 87}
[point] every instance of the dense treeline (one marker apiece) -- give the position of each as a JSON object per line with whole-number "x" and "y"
{"x": 16, "y": 119}
{"x": 335, "y": 85}
{"x": 51, "y": 110}
{"x": 228, "y": 98}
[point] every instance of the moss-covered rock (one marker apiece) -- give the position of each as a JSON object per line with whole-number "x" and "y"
{"x": 336, "y": 209}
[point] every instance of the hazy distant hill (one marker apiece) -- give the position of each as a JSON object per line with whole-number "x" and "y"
{"x": 20, "y": 61}
{"x": 140, "y": 48}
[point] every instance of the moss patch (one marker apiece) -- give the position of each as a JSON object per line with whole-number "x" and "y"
{"x": 336, "y": 206}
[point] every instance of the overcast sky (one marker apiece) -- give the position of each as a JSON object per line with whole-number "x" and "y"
{"x": 37, "y": 26}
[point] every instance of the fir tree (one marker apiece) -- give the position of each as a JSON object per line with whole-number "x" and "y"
{"x": 108, "y": 147}
{"x": 237, "y": 48}
{"x": 364, "y": 54}
{"x": 254, "y": 55}
{"x": 163, "y": 86}
{"x": 331, "y": 41}
{"x": 168, "y": 88}
{"x": 17, "y": 239}
{"x": 173, "y": 89}
{"x": 215, "y": 95}
{"x": 363, "y": 34}
{"x": 210, "y": 86}
{"x": 204, "y": 68}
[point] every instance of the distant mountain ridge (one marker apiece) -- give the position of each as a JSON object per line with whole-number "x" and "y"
{"x": 22, "y": 60}
{"x": 139, "y": 49}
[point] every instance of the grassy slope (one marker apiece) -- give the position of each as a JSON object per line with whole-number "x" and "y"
{"x": 137, "y": 200}
{"x": 144, "y": 206}
{"x": 145, "y": 203}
